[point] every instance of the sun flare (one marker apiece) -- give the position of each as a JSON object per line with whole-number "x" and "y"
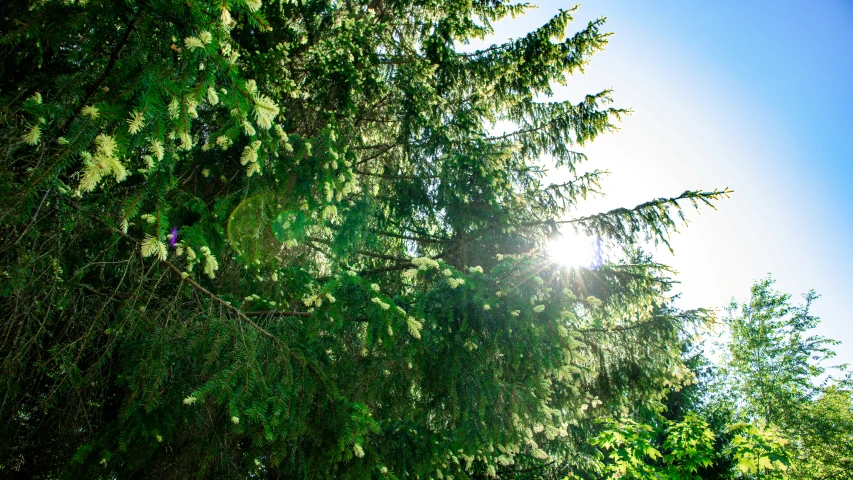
{"x": 573, "y": 249}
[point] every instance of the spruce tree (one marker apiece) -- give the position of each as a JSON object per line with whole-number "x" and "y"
{"x": 281, "y": 239}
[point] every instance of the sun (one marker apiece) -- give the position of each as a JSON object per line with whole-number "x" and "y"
{"x": 573, "y": 249}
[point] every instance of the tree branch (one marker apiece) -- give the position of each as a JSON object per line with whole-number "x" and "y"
{"x": 106, "y": 73}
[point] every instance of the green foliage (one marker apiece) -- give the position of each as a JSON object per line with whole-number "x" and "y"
{"x": 825, "y": 436}
{"x": 759, "y": 451}
{"x": 633, "y": 449}
{"x": 356, "y": 287}
{"x": 690, "y": 446}
{"x": 637, "y": 451}
{"x": 770, "y": 360}
{"x": 760, "y": 414}
{"x": 769, "y": 378}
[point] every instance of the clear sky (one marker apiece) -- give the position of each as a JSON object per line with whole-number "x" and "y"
{"x": 752, "y": 95}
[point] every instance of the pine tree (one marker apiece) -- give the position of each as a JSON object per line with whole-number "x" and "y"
{"x": 282, "y": 239}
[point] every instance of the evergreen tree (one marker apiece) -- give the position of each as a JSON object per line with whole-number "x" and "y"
{"x": 282, "y": 239}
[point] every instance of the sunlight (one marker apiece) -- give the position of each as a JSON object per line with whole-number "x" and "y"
{"x": 573, "y": 249}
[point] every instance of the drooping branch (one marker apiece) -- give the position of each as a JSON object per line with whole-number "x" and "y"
{"x": 189, "y": 280}
{"x": 409, "y": 237}
{"x": 276, "y": 313}
{"x": 654, "y": 218}
{"x": 366, "y": 253}
{"x": 242, "y": 316}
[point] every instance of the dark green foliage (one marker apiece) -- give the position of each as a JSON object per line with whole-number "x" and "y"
{"x": 357, "y": 287}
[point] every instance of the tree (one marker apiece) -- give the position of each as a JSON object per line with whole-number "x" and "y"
{"x": 761, "y": 413}
{"x": 686, "y": 448}
{"x": 770, "y": 377}
{"x": 285, "y": 239}
{"x": 697, "y": 399}
{"x": 759, "y": 452}
{"x": 825, "y": 436}
{"x": 770, "y": 364}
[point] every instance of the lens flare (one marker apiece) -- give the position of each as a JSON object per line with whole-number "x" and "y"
{"x": 573, "y": 249}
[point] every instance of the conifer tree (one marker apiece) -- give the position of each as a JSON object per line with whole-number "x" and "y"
{"x": 283, "y": 239}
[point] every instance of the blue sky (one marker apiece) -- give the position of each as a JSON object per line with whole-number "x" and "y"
{"x": 751, "y": 95}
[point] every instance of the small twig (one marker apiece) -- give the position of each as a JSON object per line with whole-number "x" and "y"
{"x": 104, "y": 294}
{"x": 197, "y": 286}
{"x": 276, "y": 313}
{"x": 35, "y": 216}
{"x": 407, "y": 237}
{"x": 238, "y": 312}
{"x": 366, "y": 253}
